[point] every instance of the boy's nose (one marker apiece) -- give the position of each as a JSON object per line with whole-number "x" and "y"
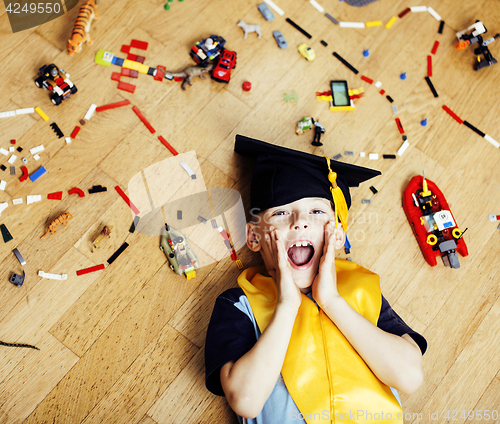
{"x": 300, "y": 223}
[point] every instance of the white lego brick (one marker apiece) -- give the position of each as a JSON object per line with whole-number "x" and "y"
{"x": 17, "y": 201}
{"x": 33, "y": 198}
{"x": 492, "y": 141}
{"x": 4, "y": 151}
{"x": 2, "y": 185}
{"x": 403, "y": 148}
{"x": 25, "y": 161}
{"x": 418, "y": 8}
{"x": 12, "y": 149}
{"x": 433, "y": 13}
{"x": 373, "y": 156}
{"x": 7, "y": 114}
{"x": 362, "y": 154}
{"x": 25, "y": 110}
{"x": 36, "y": 157}
{"x": 12, "y": 159}
{"x": 68, "y": 139}
{"x": 317, "y": 6}
{"x": 90, "y": 112}
{"x": 378, "y": 84}
{"x": 37, "y": 149}
{"x": 3, "y": 206}
{"x": 52, "y": 276}
{"x": 352, "y": 24}
{"x": 274, "y": 7}
{"x": 188, "y": 169}
{"x": 394, "y": 109}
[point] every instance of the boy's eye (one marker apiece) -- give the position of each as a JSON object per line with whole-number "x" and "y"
{"x": 317, "y": 211}
{"x": 278, "y": 213}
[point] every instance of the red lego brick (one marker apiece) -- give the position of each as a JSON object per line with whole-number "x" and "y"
{"x": 140, "y": 59}
{"x": 178, "y": 79}
{"x": 12, "y": 141}
{"x": 404, "y": 12}
{"x": 366, "y": 79}
{"x": 233, "y": 255}
{"x": 64, "y": 86}
{"x": 435, "y": 47}
{"x": 143, "y": 45}
{"x": 452, "y": 114}
{"x": 163, "y": 68}
{"x": 75, "y": 132}
{"x": 125, "y": 72}
{"x": 77, "y": 191}
{"x": 143, "y": 119}
{"x": 112, "y": 105}
{"x": 400, "y": 126}
{"x": 89, "y": 270}
{"x": 224, "y": 234}
{"x": 160, "y": 74}
{"x": 132, "y": 57}
{"x": 55, "y": 196}
{"x": 127, "y": 200}
{"x": 167, "y": 145}
{"x": 382, "y": 92}
{"x": 24, "y": 177}
{"x": 429, "y": 66}
{"x": 134, "y": 74}
{"x": 115, "y": 76}
{"x": 125, "y": 49}
{"x": 126, "y": 87}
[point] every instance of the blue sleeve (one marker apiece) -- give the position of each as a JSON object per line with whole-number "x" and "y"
{"x": 230, "y": 335}
{"x": 391, "y": 322}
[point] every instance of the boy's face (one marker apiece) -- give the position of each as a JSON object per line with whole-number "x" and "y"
{"x": 301, "y": 223}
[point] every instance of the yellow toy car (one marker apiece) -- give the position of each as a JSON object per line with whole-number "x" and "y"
{"x": 307, "y": 52}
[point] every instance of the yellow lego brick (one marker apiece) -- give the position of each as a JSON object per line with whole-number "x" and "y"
{"x": 356, "y": 91}
{"x": 373, "y": 23}
{"x": 391, "y": 22}
{"x": 324, "y": 98}
{"x": 130, "y": 64}
{"x": 341, "y": 108}
{"x": 190, "y": 274}
{"x": 40, "y": 112}
{"x": 239, "y": 264}
{"x": 143, "y": 69}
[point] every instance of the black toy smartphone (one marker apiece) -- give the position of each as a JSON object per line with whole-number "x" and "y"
{"x": 340, "y": 93}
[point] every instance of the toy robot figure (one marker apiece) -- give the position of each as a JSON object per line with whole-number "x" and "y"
{"x": 465, "y": 39}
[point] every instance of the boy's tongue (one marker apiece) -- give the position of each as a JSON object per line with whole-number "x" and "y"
{"x": 300, "y": 255}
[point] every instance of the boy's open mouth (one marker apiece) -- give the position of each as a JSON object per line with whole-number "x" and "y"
{"x": 300, "y": 253}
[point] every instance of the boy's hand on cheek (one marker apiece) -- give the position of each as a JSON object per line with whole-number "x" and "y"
{"x": 288, "y": 291}
{"x": 324, "y": 286}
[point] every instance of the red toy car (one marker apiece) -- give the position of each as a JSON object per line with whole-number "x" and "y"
{"x": 222, "y": 72}
{"x": 433, "y": 223}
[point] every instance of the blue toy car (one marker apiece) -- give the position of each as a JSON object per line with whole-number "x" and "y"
{"x": 278, "y": 36}
{"x": 266, "y": 12}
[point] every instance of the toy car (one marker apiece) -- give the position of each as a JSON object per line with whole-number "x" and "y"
{"x": 278, "y": 36}
{"x": 266, "y": 12}
{"x": 433, "y": 223}
{"x": 305, "y": 124}
{"x": 207, "y": 49}
{"x": 307, "y": 52}
{"x": 176, "y": 247}
{"x": 222, "y": 72}
{"x": 53, "y": 79}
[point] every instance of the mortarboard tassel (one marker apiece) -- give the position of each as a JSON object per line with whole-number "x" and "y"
{"x": 338, "y": 197}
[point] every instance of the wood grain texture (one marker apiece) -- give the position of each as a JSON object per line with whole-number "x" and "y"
{"x": 125, "y": 344}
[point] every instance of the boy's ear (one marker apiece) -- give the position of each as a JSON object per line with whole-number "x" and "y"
{"x": 253, "y": 237}
{"x": 339, "y": 238}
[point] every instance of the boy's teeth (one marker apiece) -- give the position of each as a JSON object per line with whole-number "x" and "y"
{"x": 299, "y": 244}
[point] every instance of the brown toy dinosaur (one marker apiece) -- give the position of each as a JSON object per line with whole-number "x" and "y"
{"x": 190, "y": 72}
{"x": 61, "y": 219}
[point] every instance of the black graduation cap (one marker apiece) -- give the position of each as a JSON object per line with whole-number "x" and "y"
{"x": 283, "y": 175}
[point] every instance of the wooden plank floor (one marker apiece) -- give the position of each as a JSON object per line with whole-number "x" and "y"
{"x": 125, "y": 345}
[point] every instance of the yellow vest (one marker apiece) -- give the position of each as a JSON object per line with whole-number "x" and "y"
{"x": 324, "y": 374}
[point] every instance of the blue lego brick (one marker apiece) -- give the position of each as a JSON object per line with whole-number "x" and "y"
{"x": 117, "y": 61}
{"x": 37, "y": 174}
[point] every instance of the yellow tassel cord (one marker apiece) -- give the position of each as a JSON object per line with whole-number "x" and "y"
{"x": 338, "y": 197}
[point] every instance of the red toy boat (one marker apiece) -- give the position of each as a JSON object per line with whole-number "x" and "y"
{"x": 433, "y": 223}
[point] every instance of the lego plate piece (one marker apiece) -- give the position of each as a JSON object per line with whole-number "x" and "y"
{"x": 317, "y": 6}
{"x": 37, "y": 149}
{"x": 403, "y": 148}
{"x": 434, "y": 13}
{"x": 2, "y": 185}
{"x": 4, "y": 151}
{"x": 33, "y": 198}
{"x": 25, "y": 110}
{"x": 12, "y": 159}
{"x": 273, "y": 6}
{"x": 373, "y": 156}
{"x": 17, "y": 201}
{"x": 418, "y": 9}
{"x": 8, "y": 114}
{"x": 53, "y": 276}
{"x": 3, "y": 206}
{"x": 352, "y": 24}
{"x": 90, "y": 112}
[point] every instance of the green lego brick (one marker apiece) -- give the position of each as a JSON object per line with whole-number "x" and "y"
{"x": 104, "y": 57}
